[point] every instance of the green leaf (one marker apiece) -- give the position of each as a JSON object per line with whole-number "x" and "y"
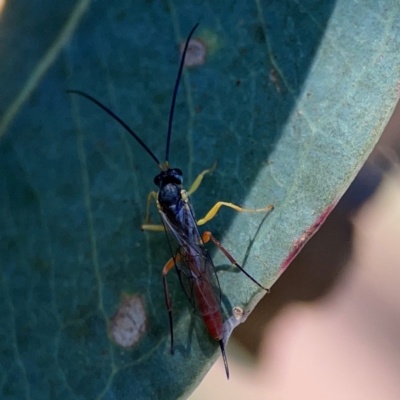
{"x": 290, "y": 100}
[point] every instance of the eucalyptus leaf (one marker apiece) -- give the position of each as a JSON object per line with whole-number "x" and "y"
{"x": 290, "y": 100}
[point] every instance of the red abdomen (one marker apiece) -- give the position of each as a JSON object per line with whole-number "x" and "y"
{"x": 209, "y": 308}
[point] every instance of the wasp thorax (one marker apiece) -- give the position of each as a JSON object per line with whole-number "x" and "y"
{"x": 173, "y": 175}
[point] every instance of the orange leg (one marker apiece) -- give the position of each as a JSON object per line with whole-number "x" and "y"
{"x": 207, "y": 236}
{"x": 167, "y": 267}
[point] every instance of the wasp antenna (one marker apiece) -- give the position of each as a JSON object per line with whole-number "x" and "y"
{"x": 178, "y": 78}
{"x": 118, "y": 119}
{"x": 222, "y": 346}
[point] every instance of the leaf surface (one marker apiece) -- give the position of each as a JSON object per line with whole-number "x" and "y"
{"x": 290, "y": 101}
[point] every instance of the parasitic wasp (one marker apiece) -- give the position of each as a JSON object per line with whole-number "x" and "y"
{"x": 192, "y": 261}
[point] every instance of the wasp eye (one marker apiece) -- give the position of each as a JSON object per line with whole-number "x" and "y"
{"x": 176, "y": 173}
{"x": 157, "y": 180}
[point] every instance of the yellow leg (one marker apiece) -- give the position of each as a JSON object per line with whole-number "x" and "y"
{"x": 152, "y": 227}
{"x": 197, "y": 182}
{"x": 213, "y": 212}
{"x": 150, "y": 197}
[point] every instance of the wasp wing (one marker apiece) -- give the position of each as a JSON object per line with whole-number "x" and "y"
{"x": 194, "y": 263}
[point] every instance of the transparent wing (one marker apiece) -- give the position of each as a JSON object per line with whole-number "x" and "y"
{"x": 194, "y": 265}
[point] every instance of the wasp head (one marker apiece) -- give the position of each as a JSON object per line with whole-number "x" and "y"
{"x": 173, "y": 175}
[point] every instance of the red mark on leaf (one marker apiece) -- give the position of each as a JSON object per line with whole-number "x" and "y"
{"x": 303, "y": 239}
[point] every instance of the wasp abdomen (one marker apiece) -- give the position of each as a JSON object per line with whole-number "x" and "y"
{"x": 209, "y": 309}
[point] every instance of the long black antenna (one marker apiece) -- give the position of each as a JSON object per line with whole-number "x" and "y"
{"x": 178, "y": 78}
{"x": 109, "y": 112}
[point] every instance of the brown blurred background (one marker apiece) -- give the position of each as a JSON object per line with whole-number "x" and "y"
{"x": 330, "y": 328}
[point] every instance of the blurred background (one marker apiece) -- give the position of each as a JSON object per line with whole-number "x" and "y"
{"x": 330, "y": 328}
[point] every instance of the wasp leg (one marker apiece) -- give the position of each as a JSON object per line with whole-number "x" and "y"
{"x": 207, "y": 236}
{"x": 167, "y": 267}
{"x": 197, "y": 182}
{"x": 213, "y": 212}
{"x": 152, "y": 227}
{"x": 147, "y": 226}
{"x": 150, "y": 197}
